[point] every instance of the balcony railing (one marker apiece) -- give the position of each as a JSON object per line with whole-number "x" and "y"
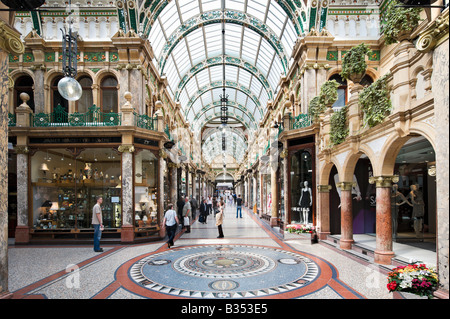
{"x": 300, "y": 121}
{"x": 11, "y": 120}
{"x": 144, "y": 121}
{"x": 60, "y": 118}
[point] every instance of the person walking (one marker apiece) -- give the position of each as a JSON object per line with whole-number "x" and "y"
{"x": 219, "y": 219}
{"x": 194, "y": 206}
{"x": 209, "y": 203}
{"x": 187, "y": 214}
{"x": 180, "y": 204}
{"x": 239, "y": 206}
{"x": 97, "y": 222}
{"x": 170, "y": 222}
{"x": 203, "y": 212}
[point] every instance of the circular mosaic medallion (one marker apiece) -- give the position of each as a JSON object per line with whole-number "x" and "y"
{"x": 224, "y": 265}
{"x": 225, "y": 271}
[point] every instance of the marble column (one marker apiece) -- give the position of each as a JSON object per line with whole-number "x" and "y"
{"x": 346, "y": 215}
{"x": 440, "y": 84}
{"x": 161, "y": 168}
{"x": 245, "y": 191}
{"x": 127, "y": 231}
{"x": 323, "y": 192}
{"x": 10, "y": 42}
{"x": 254, "y": 189}
{"x": 274, "y": 191}
{"x": 39, "y": 98}
{"x": 173, "y": 171}
{"x": 22, "y": 235}
{"x": 383, "y": 251}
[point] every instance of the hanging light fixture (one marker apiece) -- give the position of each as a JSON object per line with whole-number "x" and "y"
{"x": 68, "y": 87}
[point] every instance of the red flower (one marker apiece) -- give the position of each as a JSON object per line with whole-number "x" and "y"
{"x": 391, "y": 286}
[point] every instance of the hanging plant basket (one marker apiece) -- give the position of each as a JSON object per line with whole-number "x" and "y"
{"x": 399, "y": 22}
{"x": 354, "y": 63}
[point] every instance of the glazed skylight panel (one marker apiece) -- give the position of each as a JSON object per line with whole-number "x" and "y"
{"x": 170, "y": 18}
{"x": 258, "y": 8}
{"x": 233, "y": 34}
{"x": 188, "y": 9}
{"x": 211, "y": 5}
{"x": 213, "y": 39}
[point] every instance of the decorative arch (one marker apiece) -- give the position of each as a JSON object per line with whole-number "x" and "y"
{"x": 220, "y": 84}
{"x": 220, "y": 60}
{"x": 229, "y": 16}
{"x": 351, "y": 160}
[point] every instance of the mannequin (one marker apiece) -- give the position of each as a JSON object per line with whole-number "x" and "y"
{"x": 305, "y": 202}
{"x": 396, "y": 196}
{"x": 418, "y": 206}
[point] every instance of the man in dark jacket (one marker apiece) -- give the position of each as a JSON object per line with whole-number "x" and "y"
{"x": 180, "y": 205}
{"x": 194, "y": 206}
{"x": 203, "y": 212}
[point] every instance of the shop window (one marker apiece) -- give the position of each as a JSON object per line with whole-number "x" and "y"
{"x": 65, "y": 186}
{"x": 145, "y": 191}
{"x": 301, "y": 187}
{"x": 57, "y": 99}
{"x": 109, "y": 97}
{"x": 24, "y": 84}
{"x": 342, "y": 91}
{"x": 86, "y": 101}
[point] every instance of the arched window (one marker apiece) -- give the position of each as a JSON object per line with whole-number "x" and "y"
{"x": 86, "y": 100}
{"x": 109, "y": 97}
{"x": 342, "y": 91}
{"x": 56, "y": 98}
{"x": 24, "y": 84}
{"x": 366, "y": 80}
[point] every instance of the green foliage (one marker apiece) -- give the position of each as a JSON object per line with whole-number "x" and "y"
{"x": 328, "y": 92}
{"x": 354, "y": 61}
{"x": 328, "y": 95}
{"x": 397, "y": 19}
{"x": 375, "y": 103}
{"x": 315, "y": 108}
{"x": 339, "y": 129}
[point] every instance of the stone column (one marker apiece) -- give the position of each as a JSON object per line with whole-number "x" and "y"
{"x": 354, "y": 112}
{"x": 346, "y": 215}
{"x": 161, "y": 166}
{"x": 323, "y": 217}
{"x": 39, "y": 98}
{"x": 9, "y": 43}
{"x": 173, "y": 172}
{"x": 254, "y": 189}
{"x": 274, "y": 191}
{"x": 383, "y": 251}
{"x": 127, "y": 231}
{"x": 22, "y": 235}
{"x": 245, "y": 191}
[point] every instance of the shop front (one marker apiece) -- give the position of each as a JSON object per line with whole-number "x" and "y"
{"x": 66, "y": 176}
{"x": 301, "y": 182}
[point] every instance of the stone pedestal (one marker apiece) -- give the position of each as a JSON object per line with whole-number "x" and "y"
{"x": 346, "y": 215}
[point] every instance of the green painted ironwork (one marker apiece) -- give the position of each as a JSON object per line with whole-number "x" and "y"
{"x": 144, "y": 121}
{"x": 11, "y": 119}
{"x": 60, "y": 118}
{"x": 167, "y": 131}
{"x": 301, "y": 121}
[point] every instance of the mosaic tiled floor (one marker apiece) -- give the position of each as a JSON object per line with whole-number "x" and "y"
{"x": 223, "y": 271}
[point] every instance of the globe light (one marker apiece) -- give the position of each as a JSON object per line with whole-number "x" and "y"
{"x": 69, "y": 88}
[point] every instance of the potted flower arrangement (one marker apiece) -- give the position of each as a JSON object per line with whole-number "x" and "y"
{"x": 308, "y": 231}
{"x": 414, "y": 278}
{"x": 354, "y": 63}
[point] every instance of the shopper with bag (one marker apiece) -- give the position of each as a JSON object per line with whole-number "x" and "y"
{"x": 170, "y": 222}
{"x": 187, "y": 215}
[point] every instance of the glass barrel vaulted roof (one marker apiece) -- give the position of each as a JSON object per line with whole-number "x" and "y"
{"x": 186, "y": 36}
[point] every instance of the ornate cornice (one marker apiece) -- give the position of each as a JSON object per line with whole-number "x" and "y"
{"x": 434, "y": 34}
{"x": 10, "y": 39}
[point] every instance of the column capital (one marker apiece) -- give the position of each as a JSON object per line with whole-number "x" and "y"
{"x": 126, "y": 148}
{"x": 345, "y": 186}
{"x": 21, "y": 149}
{"x": 173, "y": 165}
{"x": 10, "y": 39}
{"x": 383, "y": 181}
{"x": 162, "y": 153}
{"x": 324, "y": 188}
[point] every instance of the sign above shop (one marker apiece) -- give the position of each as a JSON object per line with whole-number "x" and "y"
{"x": 74, "y": 140}
{"x": 145, "y": 142}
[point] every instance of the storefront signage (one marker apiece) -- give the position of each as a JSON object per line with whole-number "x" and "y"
{"x": 75, "y": 140}
{"x": 145, "y": 142}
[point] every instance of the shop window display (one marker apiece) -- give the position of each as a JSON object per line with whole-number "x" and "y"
{"x": 65, "y": 184}
{"x": 301, "y": 181}
{"x": 145, "y": 191}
